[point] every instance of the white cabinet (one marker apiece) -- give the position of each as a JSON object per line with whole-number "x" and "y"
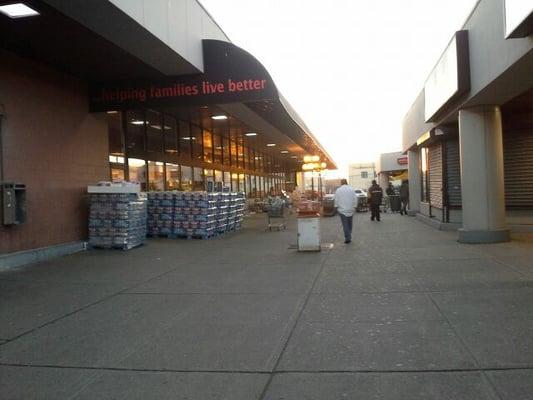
{"x": 309, "y": 234}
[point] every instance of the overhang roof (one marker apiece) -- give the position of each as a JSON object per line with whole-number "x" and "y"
{"x": 98, "y": 42}
{"x": 232, "y": 76}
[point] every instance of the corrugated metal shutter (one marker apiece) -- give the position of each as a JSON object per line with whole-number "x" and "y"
{"x": 435, "y": 176}
{"x": 453, "y": 173}
{"x": 518, "y": 168}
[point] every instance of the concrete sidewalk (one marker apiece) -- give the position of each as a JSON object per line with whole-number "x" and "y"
{"x": 403, "y": 312}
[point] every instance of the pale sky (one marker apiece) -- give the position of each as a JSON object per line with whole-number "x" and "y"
{"x": 350, "y": 68}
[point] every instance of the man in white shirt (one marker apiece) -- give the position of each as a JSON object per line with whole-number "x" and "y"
{"x": 346, "y": 202}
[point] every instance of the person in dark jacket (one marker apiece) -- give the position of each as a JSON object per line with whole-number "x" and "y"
{"x": 375, "y": 196}
{"x": 390, "y": 190}
{"x": 404, "y": 196}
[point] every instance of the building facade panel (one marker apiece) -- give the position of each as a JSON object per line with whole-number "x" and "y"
{"x": 453, "y": 173}
{"x": 53, "y": 146}
{"x": 361, "y": 175}
{"x": 518, "y": 168}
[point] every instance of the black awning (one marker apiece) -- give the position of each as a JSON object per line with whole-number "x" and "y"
{"x": 232, "y": 75}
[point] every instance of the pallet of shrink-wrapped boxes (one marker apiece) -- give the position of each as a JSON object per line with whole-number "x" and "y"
{"x": 194, "y": 215}
{"x": 240, "y": 202}
{"x": 199, "y": 215}
{"x": 161, "y": 207}
{"x": 222, "y": 208}
{"x": 117, "y": 215}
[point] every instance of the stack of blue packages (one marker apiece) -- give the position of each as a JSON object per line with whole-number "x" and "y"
{"x": 161, "y": 213}
{"x": 240, "y": 205}
{"x": 222, "y": 206}
{"x": 117, "y": 220}
{"x": 195, "y": 215}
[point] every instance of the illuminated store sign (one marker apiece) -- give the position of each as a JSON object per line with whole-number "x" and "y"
{"x": 403, "y": 160}
{"x": 518, "y": 18}
{"x": 450, "y": 78}
{"x": 231, "y": 76}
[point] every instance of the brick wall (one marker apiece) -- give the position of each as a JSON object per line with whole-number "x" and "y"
{"x": 54, "y": 146}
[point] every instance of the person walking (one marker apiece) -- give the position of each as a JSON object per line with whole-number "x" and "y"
{"x": 375, "y": 193}
{"x": 404, "y": 196}
{"x": 345, "y": 203}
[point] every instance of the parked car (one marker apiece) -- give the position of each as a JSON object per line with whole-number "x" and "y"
{"x": 362, "y": 200}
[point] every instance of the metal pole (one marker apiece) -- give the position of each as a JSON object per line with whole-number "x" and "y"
{"x": 320, "y": 184}
{"x": 312, "y": 185}
{"x": 2, "y": 112}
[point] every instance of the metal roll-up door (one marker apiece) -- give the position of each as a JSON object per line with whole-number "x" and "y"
{"x": 435, "y": 176}
{"x": 518, "y": 168}
{"x": 453, "y": 173}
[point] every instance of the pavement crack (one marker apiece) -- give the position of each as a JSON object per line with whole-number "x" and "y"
{"x": 293, "y": 328}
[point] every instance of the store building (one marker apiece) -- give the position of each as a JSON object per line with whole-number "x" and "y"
{"x": 391, "y": 168}
{"x": 469, "y": 134}
{"x": 119, "y": 90}
{"x": 360, "y": 175}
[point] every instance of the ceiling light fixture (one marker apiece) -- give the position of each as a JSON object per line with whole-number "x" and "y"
{"x": 284, "y": 151}
{"x": 18, "y": 10}
{"x": 271, "y": 144}
{"x": 137, "y": 122}
{"x": 158, "y": 127}
{"x": 250, "y": 134}
{"x": 219, "y": 117}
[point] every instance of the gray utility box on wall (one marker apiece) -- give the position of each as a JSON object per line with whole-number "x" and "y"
{"x": 13, "y": 206}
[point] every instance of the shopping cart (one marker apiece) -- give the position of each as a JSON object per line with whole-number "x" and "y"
{"x": 276, "y": 214}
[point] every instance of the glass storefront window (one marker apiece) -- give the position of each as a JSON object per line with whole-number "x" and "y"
{"x": 261, "y": 189}
{"x": 208, "y": 146}
{"x": 226, "y": 151}
{"x": 247, "y": 185}
{"x": 116, "y": 166}
{"x": 242, "y": 187}
{"x": 258, "y": 162}
{"x": 186, "y": 178}
{"x": 233, "y": 150}
{"x": 173, "y": 176}
{"x": 135, "y": 125}
{"x": 234, "y": 182}
{"x": 170, "y": 134}
{"x": 240, "y": 153}
{"x": 424, "y": 176}
{"x": 156, "y": 177}
{"x": 217, "y": 143}
{"x": 250, "y": 158}
{"x": 117, "y": 174}
{"x": 219, "y": 176}
{"x": 227, "y": 179}
{"x": 115, "y": 133}
{"x": 185, "y": 140}
{"x": 198, "y": 179}
{"x": 253, "y": 187}
{"x": 209, "y": 176}
{"x": 196, "y": 140}
{"x": 137, "y": 171}
{"x": 219, "y": 180}
{"x": 268, "y": 164}
{"x": 154, "y": 132}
